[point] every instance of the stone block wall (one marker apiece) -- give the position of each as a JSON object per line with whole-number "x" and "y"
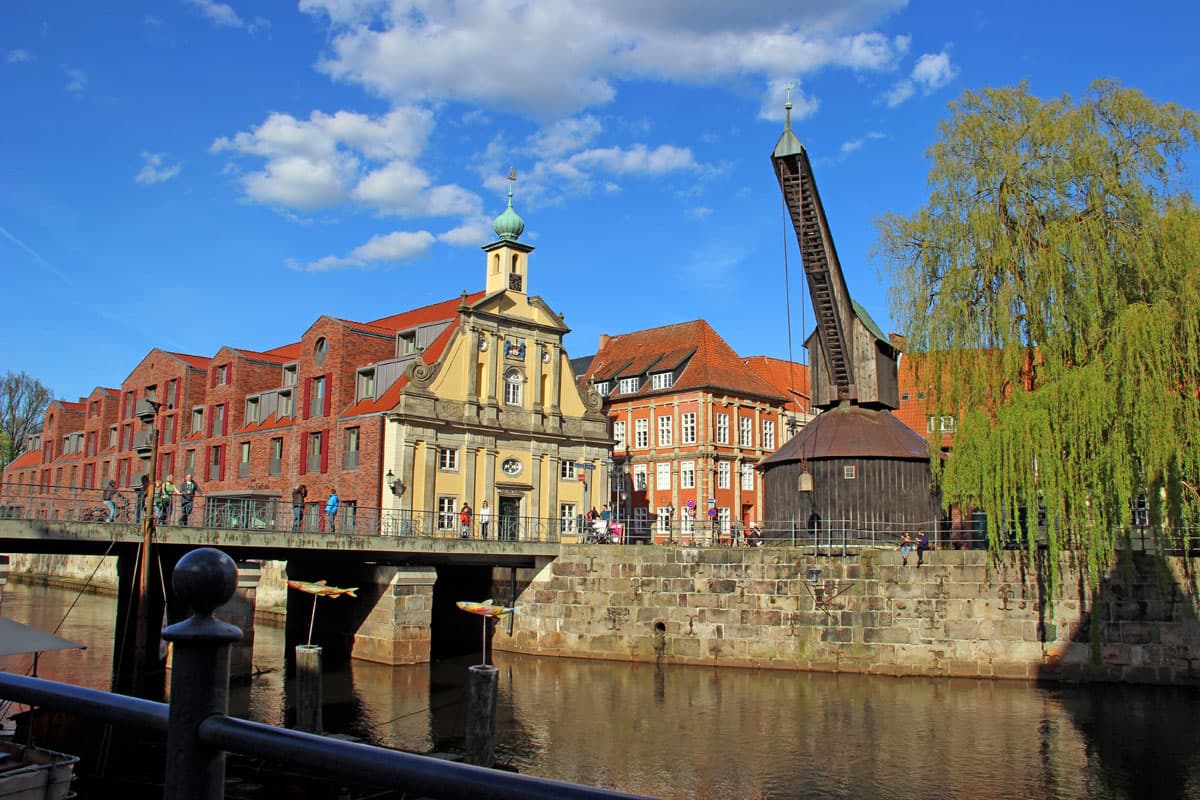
{"x": 962, "y": 614}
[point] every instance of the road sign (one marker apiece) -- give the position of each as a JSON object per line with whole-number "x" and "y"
{"x": 712, "y": 501}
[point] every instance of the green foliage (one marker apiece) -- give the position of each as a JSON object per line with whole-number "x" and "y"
{"x": 1050, "y": 293}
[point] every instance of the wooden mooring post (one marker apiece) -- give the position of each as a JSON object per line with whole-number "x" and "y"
{"x": 309, "y": 697}
{"x": 482, "y": 680}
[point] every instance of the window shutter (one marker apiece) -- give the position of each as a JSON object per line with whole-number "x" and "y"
{"x": 307, "y": 396}
{"x": 328, "y": 392}
{"x": 212, "y": 375}
{"x": 225, "y": 420}
{"x": 209, "y": 421}
{"x": 325, "y": 447}
{"x": 206, "y": 469}
{"x": 223, "y": 453}
{"x": 303, "y": 453}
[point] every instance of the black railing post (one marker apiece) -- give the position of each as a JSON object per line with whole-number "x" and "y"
{"x": 204, "y": 579}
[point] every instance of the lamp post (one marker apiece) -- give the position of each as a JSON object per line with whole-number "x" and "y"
{"x": 148, "y": 416}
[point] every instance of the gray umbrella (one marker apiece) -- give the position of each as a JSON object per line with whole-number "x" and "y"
{"x": 16, "y": 638}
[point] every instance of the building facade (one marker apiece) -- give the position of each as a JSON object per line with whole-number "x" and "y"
{"x": 407, "y": 417}
{"x": 690, "y": 421}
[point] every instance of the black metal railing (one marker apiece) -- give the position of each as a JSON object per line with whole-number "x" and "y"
{"x": 259, "y": 513}
{"x": 199, "y": 732}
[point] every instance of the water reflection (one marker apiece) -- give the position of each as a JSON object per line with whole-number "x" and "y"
{"x": 690, "y": 732}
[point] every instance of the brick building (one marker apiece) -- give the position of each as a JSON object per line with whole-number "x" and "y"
{"x": 690, "y": 420}
{"x": 465, "y": 400}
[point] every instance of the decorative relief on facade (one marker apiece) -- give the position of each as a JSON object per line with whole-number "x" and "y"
{"x": 420, "y": 374}
{"x": 514, "y": 349}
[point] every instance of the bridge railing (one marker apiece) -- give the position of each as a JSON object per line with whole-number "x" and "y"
{"x": 199, "y": 732}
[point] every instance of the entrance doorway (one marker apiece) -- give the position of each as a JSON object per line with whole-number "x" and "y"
{"x": 508, "y": 518}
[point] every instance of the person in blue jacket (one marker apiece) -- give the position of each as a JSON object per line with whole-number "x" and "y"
{"x": 331, "y": 509}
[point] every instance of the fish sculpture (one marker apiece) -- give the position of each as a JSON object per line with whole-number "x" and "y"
{"x": 321, "y": 588}
{"x": 484, "y": 609}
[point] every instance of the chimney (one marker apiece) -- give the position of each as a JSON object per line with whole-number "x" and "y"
{"x": 603, "y": 340}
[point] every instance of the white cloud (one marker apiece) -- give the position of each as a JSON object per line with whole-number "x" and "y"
{"x": 565, "y": 135}
{"x": 391, "y": 247}
{"x": 76, "y": 80}
{"x": 700, "y": 212}
{"x": 775, "y": 98}
{"x": 474, "y": 232}
{"x": 856, "y": 144}
{"x": 219, "y": 13}
{"x": 346, "y": 157}
{"x": 638, "y": 159}
{"x": 398, "y": 246}
{"x": 155, "y": 169}
{"x": 17, "y": 57}
{"x": 559, "y": 58}
{"x": 223, "y": 16}
{"x": 932, "y": 71}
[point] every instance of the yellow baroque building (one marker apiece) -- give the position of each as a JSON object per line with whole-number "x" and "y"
{"x": 492, "y": 415}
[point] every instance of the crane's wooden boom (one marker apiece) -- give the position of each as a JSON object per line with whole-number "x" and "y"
{"x": 851, "y": 360}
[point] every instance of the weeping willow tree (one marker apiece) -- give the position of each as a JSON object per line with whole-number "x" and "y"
{"x": 1050, "y": 293}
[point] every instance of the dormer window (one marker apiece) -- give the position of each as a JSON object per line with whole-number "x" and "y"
{"x": 602, "y": 388}
{"x": 406, "y": 343}
{"x": 251, "y": 410}
{"x": 289, "y": 375}
{"x": 366, "y": 384}
{"x": 662, "y": 380}
{"x": 629, "y": 385}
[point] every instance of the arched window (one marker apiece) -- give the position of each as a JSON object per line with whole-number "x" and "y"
{"x": 496, "y": 264}
{"x": 512, "y": 388}
{"x": 514, "y": 263}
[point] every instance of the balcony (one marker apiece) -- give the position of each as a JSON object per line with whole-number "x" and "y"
{"x": 142, "y": 444}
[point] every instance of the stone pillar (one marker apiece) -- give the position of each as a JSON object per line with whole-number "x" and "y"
{"x": 239, "y": 611}
{"x": 398, "y": 629}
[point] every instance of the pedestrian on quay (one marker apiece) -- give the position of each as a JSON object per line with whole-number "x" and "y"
{"x": 485, "y": 517}
{"x": 109, "y": 498}
{"x": 464, "y": 520}
{"x": 331, "y": 509}
{"x": 299, "y": 494}
{"x": 906, "y": 546}
{"x": 922, "y": 545}
{"x": 187, "y": 496}
{"x": 168, "y": 492}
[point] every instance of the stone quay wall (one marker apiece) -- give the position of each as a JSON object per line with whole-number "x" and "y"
{"x": 961, "y": 614}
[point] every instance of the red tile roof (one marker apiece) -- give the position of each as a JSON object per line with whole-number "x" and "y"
{"x": 274, "y": 358}
{"x": 789, "y": 377}
{"x": 388, "y": 400}
{"x": 710, "y": 362}
{"x": 289, "y": 352}
{"x": 199, "y": 362}
{"x": 446, "y": 309}
{"x": 30, "y": 458}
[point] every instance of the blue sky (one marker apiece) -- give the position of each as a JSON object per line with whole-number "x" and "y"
{"x": 196, "y": 174}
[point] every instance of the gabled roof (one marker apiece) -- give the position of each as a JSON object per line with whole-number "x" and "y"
{"x": 707, "y": 361}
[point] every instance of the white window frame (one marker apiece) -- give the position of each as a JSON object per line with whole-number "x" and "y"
{"x": 748, "y": 477}
{"x": 567, "y": 517}
{"x": 619, "y": 435}
{"x": 639, "y": 477}
{"x": 603, "y": 388}
{"x": 849, "y": 472}
{"x": 687, "y": 474}
{"x": 366, "y": 385}
{"x": 447, "y": 514}
{"x": 662, "y": 476}
{"x": 723, "y": 518}
{"x": 663, "y": 515}
{"x": 566, "y": 470}
{"x": 723, "y": 475}
{"x": 286, "y": 404}
{"x": 665, "y": 434}
{"x": 662, "y": 380}
{"x": 641, "y": 434}
{"x": 687, "y": 427}
{"x": 629, "y": 385}
{"x": 448, "y": 459}
{"x": 768, "y": 434}
{"x": 722, "y": 429}
{"x": 745, "y": 431}
{"x": 512, "y": 388}
{"x": 252, "y": 404}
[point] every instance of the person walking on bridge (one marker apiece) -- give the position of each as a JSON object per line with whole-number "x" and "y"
{"x": 109, "y": 497}
{"x": 299, "y": 495}
{"x": 187, "y": 496}
{"x": 331, "y": 509}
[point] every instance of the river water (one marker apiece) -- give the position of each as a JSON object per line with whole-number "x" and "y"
{"x": 694, "y": 732}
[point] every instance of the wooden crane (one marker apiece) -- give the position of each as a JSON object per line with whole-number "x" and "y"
{"x": 851, "y": 360}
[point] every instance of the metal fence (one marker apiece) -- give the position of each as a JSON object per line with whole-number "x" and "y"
{"x": 258, "y": 513}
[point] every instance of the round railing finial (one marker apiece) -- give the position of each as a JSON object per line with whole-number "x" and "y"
{"x": 205, "y": 579}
